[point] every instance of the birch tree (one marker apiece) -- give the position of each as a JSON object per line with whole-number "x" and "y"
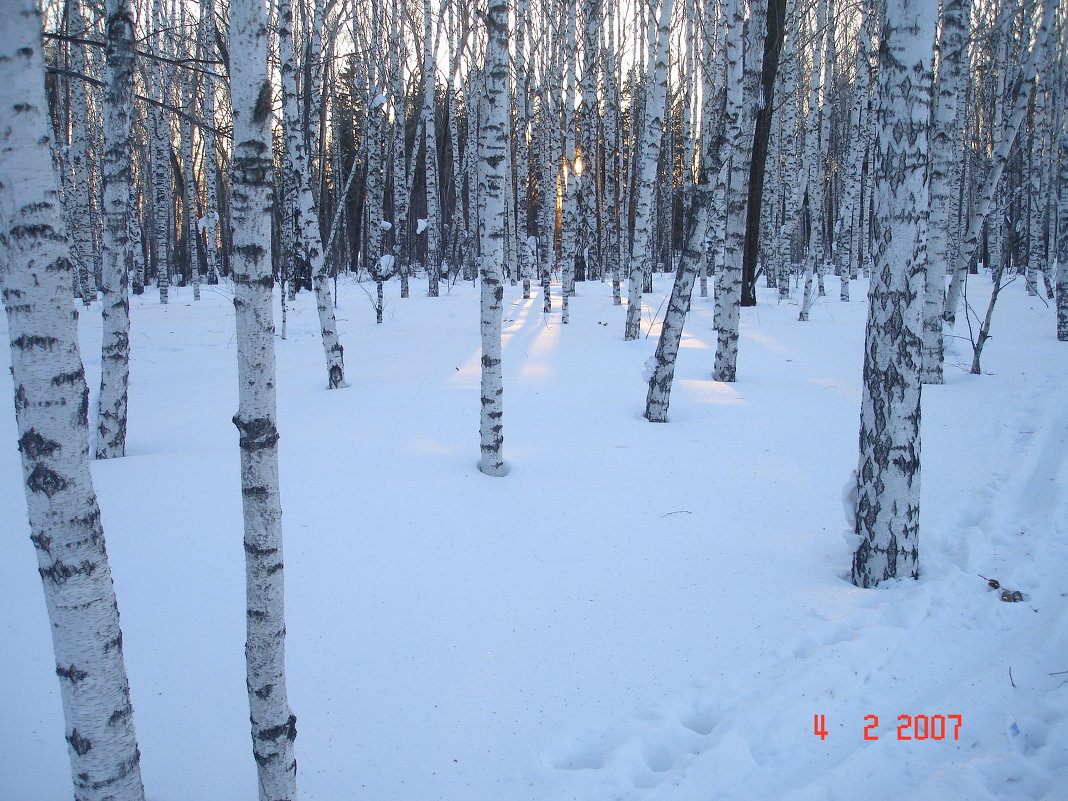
{"x": 652, "y": 133}
{"x": 210, "y": 221}
{"x": 1062, "y": 227}
{"x": 956, "y": 25}
{"x": 115, "y": 306}
{"x": 1062, "y": 298}
{"x": 888, "y": 477}
{"x": 273, "y": 724}
{"x": 51, "y": 407}
{"x": 849, "y": 212}
{"x": 983, "y": 203}
{"x": 493, "y": 154}
{"x": 729, "y": 281}
{"x": 430, "y": 145}
{"x": 696, "y": 232}
{"x": 308, "y": 247}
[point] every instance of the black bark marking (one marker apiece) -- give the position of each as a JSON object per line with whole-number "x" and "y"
{"x": 252, "y": 253}
{"x": 42, "y": 479}
{"x": 34, "y": 446}
{"x": 27, "y": 341}
{"x": 263, "y": 104}
{"x": 274, "y": 568}
{"x": 265, "y": 691}
{"x": 254, "y": 550}
{"x": 80, "y": 745}
{"x": 74, "y": 378}
{"x": 289, "y": 729}
{"x": 256, "y": 434}
{"x": 71, "y": 674}
{"x": 41, "y": 542}
{"x": 255, "y": 493}
{"x": 60, "y": 572}
{"x": 337, "y": 375}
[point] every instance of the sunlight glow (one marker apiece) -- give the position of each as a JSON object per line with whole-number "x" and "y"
{"x": 705, "y": 390}
{"x": 769, "y": 342}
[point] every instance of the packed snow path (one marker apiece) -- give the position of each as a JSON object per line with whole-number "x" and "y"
{"x": 636, "y": 611}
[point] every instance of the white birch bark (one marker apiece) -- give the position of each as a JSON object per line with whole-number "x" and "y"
{"x": 956, "y": 28}
{"x": 401, "y": 187}
{"x": 161, "y": 168}
{"x": 848, "y": 216}
{"x": 568, "y": 244}
{"x": 522, "y": 128}
{"x": 76, "y": 202}
{"x": 273, "y": 723}
{"x": 792, "y": 187}
{"x": 1038, "y": 157}
{"x": 308, "y": 247}
{"x": 161, "y": 201}
{"x": 475, "y": 198}
{"x": 492, "y": 158}
{"x": 888, "y": 477}
{"x": 547, "y": 199}
{"x": 189, "y": 201}
{"x": 695, "y": 229}
{"x": 1062, "y": 235}
{"x": 313, "y": 106}
{"x": 430, "y": 145}
{"x": 115, "y": 298}
{"x": 981, "y": 207}
{"x": 211, "y": 215}
{"x": 650, "y": 157}
{"x": 729, "y": 280}
{"x": 137, "y": 253}
{"x": 51, "y": 412}
{"x": 814, "y": 152}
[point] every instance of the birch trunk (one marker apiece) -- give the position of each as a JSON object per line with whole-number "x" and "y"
{"x": 658, "y": 396}
{"x": 398, "y": 150}
{"x": 115, "y": 305}
{"x": 522, "y": 128}
{"x": 308, "y": 247}
{"x": 161, "y": 204}
{"x": 791, "y": 188}
{"x": 981, "y": 207}
{"x": 137, "y": 253}
{"x": 189, "y": 201}
{"x": 51, "y": 411}
{"x": 649, "y": 159}
{"x": 273, "y": 724}
{"x": 956, "y": 29}
{"x": 1062, "y": 247}
{"x": 848, "y": 216}
{"x": 210, "y": 219}
{"x": 493, "y": 155}
{"x": 430, "y": 145}
{"x": 814, "y": 156}
{"x": 77, "y": 200}
{"x": 888, "y": 477}
{"x": 729, "y": 280}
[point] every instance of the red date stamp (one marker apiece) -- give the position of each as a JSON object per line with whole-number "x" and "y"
{"x": 910, "y": 727}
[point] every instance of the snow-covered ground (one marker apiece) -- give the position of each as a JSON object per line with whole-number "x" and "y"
{"x": 636, "y": 611}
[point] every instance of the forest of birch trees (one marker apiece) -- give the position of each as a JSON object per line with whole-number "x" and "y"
{"x": 564, "y": 146}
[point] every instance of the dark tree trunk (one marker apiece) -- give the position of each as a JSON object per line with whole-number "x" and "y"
{"x": 761, "y": 138}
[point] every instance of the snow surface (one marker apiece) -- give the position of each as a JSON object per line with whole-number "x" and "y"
{"x": 636, "y": 611}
